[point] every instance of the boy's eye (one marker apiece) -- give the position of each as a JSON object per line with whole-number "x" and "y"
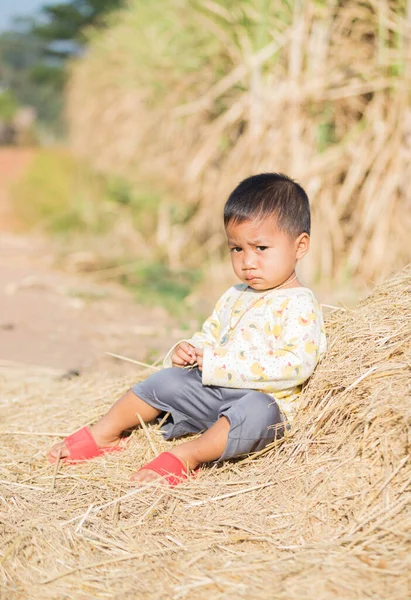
{"x": 235, "y": 249}
{"x": 262, "y": 248}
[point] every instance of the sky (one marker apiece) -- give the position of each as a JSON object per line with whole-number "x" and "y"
{"x": 17, "y": 8}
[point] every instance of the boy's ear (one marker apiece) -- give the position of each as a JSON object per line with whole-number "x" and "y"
{"x": 302, "y": 245}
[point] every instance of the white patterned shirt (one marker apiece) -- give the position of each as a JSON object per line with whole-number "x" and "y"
{"x": 265, "y": 341}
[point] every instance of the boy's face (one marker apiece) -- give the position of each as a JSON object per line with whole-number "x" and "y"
{"x": 263, "y": 256}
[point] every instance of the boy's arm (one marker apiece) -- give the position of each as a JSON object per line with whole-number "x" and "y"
{"x": 210, "y": 332}
{"x": 277, "y": 364}
{"x": 208, "y": 335}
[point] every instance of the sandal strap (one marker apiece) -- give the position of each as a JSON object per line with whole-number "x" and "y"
{"x": 82, "y": 446}
{"x": 168, "y": 466}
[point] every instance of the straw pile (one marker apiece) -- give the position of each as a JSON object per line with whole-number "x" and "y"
{"x": 322, "y": 515}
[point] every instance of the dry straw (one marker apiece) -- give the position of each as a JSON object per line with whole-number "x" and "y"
{"x": 322, "y": 515}
{"x": 198, "y": 95}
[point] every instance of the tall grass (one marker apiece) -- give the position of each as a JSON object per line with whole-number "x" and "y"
{"x": 199, "y": 94}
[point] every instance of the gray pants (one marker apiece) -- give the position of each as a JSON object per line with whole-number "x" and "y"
{"x": 194, "y": 407}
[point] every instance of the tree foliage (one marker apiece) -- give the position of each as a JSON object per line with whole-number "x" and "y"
{"x": 68, "y": 21}
{"x": 34, "y": 53}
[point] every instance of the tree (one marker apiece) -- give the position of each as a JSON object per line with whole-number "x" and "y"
{"x": 34, "y": 53}
{"x": 66, "y": 24}
{"x": 21, "y": 55}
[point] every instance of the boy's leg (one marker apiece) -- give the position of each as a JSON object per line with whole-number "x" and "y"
{"x": 255, "y": 422}
{"x": 122, "y": 415}
{"x": 177, "y": 391}
{"x": 208, "y": 447}
{"x": 245, "y": 426}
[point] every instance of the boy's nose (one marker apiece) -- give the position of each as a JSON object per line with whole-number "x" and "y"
{"x": 248, "y": 262}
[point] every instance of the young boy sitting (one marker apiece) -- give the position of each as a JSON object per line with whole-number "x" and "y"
{"x": 238, "y": 380}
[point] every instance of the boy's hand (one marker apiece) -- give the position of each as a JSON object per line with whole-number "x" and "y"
{"x": 199, "y": 357}
{"x": 183, "y": 355}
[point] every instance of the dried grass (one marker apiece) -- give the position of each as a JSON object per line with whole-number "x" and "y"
{"x": 323, "y": 97}
{"x": 323, "y": 515}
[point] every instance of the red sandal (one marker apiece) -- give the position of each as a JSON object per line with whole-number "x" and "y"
{"x": 170, "y": 467}
{"x": 82, "y": 446}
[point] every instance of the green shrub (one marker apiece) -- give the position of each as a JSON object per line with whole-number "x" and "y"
{"x": 62, "y": 196}
{"x": 8, "y": 106}
{"x": 59, "y": 195}
{"x": 155, "y": 283}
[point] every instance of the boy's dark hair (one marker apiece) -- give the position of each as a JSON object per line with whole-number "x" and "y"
{"x": 270, "y": 195}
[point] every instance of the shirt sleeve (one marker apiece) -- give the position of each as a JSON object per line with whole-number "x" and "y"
{"x": 207, "y": 336}
{"x": 285, "y": 358}
{"x": 209, "y": 333}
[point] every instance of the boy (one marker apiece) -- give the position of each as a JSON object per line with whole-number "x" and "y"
{"x": 261, "y": 343}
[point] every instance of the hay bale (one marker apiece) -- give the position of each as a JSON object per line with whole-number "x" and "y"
{"x": 322, "y": 515}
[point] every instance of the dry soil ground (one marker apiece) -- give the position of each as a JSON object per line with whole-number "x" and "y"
{"x": 56, "y": 320}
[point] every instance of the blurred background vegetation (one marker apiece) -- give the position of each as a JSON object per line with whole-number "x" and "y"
{"x": 153, "y": 111}
{"x": 34, "y": 54}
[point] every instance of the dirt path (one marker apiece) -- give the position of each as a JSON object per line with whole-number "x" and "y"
{"x": 62, "y": 321}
